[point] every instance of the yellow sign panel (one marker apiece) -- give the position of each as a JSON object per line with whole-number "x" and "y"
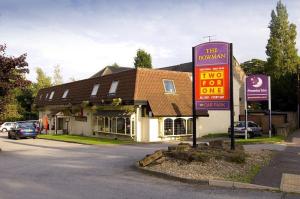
{"x": 212, "y": 90}
{"x": 219, "y": 74}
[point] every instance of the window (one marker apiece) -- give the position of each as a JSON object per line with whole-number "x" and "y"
{"x": 41, "y": 95}
{"x": 179, "y": 126}
{"x": 65, "y": 93}
{"x": 51, "y": 95}
{"x": 95, "y": 89}
{"x": 106, "y": 124}
{"x": 113, "y": 87}
{"x": 101, "y": 124}
{"x": 121, "y": 125}
{"x": 113, "y": 122}
{"x": 46, "y": 96}
{"x": 168, "y": 126}
{"x": 127, "y": 123}
{"x": 190, "y": 126}
{"x": 169, "y": 86}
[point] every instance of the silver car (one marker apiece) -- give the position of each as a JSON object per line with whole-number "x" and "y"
{"x": 7, "y": 126}
{"x": 240, "y": 127}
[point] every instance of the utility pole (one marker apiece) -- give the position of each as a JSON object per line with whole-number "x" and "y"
{"x": 298, "y": 95}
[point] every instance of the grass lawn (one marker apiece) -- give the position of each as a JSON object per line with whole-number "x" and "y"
{"x": 216, "y": 135}
{"x": 252, "y": 171}
{"x": 261, "y": 140}
{"x": 83, "y": 139}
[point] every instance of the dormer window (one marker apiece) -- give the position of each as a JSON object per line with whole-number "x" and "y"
{"x": 65, "y": 93}
{"x": 41, "y": 95}
{"x": 46, "y": 96}
{"x": 113, "y": 88}
{"x": 51, "y": 95}
{"x": 95, "y": 90}
{"x": 169, "y": 86}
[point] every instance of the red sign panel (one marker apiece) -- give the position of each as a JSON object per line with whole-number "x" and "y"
{"x": 212, "y": 90}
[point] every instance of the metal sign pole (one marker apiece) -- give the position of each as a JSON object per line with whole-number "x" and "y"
{"x": 194, "y": 108}
{"x": 246, "y": 108}
{"x": 270, "y": 110}
{"x": 231, "y": 100}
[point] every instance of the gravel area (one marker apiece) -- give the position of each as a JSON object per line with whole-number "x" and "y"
{"x": 215, "y": 169}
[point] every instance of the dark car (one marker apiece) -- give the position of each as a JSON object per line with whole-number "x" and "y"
{"x": 23, "y": 130}
{"x": 240, "y": 127}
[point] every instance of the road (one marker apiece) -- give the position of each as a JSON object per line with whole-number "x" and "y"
{"x": 42, "y": 169}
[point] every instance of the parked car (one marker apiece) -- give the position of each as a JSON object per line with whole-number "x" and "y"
{"x": 240, "y": 127}
{"x": 35, "y": 123}
{"x": 23, "y": 130}
{"x": 6, "y": 126}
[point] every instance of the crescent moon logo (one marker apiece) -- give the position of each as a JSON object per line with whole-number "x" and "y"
{"x": 258, "y": 83}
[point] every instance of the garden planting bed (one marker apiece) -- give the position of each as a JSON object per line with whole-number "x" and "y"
{"x": 208, "y": 161}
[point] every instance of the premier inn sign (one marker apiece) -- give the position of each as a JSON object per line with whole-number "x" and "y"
{"x": 212, "y": 76}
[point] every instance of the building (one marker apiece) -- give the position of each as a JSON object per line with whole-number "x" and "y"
{"x": 145, "y": 105}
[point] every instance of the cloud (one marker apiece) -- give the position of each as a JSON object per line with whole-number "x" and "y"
{"x": 85, "y": 36}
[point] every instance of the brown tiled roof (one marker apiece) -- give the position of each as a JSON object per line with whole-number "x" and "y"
{"x": 81, "y": 90}
{"x": 134, "y": 85}
{"x": 149, "y": 86}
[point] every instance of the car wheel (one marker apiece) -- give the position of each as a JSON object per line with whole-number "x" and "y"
{"x": 4, "y": 130}
{"x": 17, "y": 137}
{"x": 34, "y": 137}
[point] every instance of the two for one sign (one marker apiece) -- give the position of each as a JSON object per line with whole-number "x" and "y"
{"x": 212, "y": 72}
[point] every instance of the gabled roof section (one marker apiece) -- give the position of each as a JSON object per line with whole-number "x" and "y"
{"x": 185, "y": 67}
{"x": 150, "y": 87}
{"x": 108, "y": 70}
{"x": 80, "y": 91}
{"x": 136, "y": 85}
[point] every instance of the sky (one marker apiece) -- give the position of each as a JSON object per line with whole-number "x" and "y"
{"x": 84, "y": 36}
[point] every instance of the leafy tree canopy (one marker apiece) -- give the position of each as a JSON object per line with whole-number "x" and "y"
{"x": 42, "y": 81}
{"x": 12, "y": 75}
{"x": 282, "y": 57}
{"x": 254, "y": 66}
{"x": 57, "y": 78}
{"x": 142, "y": 59}
{"x": 282, "y": 60}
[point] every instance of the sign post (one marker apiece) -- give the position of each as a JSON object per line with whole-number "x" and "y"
{"x": 194, "y": 109}
{"x": 212, "y": 80}
{"x": 246, "y": 109}
{"x": 258, "y": 88}
{"x": 270, "y": 110}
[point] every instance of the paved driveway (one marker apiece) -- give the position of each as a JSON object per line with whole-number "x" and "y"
{"x": 285, "y": 161}
{"x": 38, "y": 169}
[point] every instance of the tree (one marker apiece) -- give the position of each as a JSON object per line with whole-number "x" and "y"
{"x": 281, "y": 49}
{"x": 254, "y": 66}
{"x": 42, "y": 81}
{"x": 142, "y": 59}
{"x": 12, "y": 75}
{"x": 114, "y": 65}
{"x": 282, "y": 60}
{"x": 57, "y": 78}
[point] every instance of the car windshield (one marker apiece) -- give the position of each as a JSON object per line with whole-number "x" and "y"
{"x": 239, "y": 124}
{"x": 25, "y": 125}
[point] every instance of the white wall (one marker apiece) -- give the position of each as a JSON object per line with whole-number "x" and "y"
{"x": 154, "y": 130}
{"x": 82, "y": 127}
{"x": 219, "y": 121}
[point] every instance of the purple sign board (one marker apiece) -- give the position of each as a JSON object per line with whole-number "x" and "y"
{"x": 212, "y": 76}
{"x": 257, "y": 88}
{"x": 212, "y": 53}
